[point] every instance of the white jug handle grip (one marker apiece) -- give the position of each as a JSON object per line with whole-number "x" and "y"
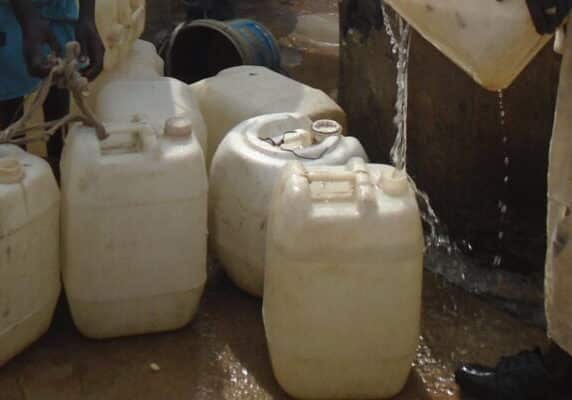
{"x": 363, "y": 190}
{"x": 149, "y": 141}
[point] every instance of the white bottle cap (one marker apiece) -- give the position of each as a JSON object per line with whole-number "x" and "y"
{"x": 178, "y": 127}
{"x": 325, "y": 128}
{"x": 11, "y": 171}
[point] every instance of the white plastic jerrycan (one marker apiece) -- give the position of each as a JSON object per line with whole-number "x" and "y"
{"x": 342, "y": 291}
{"x": 492, "y": 40}
{"x": 243, "y": 174}
{"x": 153, "y": 101}
{"x": 119, "y": 23}
{"x": 134, "y": 228}
{"x": 142, "y": 63}
{"x": 240, "y": 93}
{"x": 29, "y": 249}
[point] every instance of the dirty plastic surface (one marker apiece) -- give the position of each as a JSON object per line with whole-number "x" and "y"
{"x": 343, "y": 277}
{"x": 492, "y": 41}
{"x": 240, "y": 93}
{"x": 29, "y": 249}
{"x": 243, "y": 174}
{"x": 153, "y": 101}
{"x": 134, "y": 228}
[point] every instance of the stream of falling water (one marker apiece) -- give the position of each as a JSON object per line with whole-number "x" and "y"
{"x": 399, "y": 33}
{"x": 400, "y": 44}
{"x": 502, "y": 204}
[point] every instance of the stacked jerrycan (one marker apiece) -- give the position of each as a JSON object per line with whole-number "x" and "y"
{"x": 240, "y": 93}
{"x": 135, "y": 205}
{"x": 29, "y": 249}
{"x": 342, "y": 291}
{"x": 493, "y": 41}
{"x": 243, "y": 174}
{"x": 134, "y": 228}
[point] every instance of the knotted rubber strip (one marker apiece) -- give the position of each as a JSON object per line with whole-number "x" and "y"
{"x": 64, "y": 74}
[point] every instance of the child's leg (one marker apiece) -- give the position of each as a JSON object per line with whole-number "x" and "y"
{"x": 10, "y": 111}
{"x": 57, "y": 106}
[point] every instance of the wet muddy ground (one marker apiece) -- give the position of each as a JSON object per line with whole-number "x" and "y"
{"x": 223, "y": 354}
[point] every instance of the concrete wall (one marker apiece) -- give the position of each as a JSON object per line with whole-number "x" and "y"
{"x": 456, "y": 150}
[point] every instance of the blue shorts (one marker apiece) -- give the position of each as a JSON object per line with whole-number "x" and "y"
{"x": 15, "y": 81}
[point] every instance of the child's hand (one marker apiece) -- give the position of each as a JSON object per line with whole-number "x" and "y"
{"x": 91, "y": 47}
{"x": 36, "y": 33}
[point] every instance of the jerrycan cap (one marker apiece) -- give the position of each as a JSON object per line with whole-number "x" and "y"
{"x": 394, "y": 182}
{"x": 178, "y": 127}
{"x": 11, "y": 171}
{"x": 325, "y": 128}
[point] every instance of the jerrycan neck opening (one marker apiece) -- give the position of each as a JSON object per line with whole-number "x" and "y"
{"x": 11, "y": 171}
{"x": 302, "y": 143}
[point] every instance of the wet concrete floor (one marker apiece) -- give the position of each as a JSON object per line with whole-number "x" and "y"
{"x": 223, "y": 354}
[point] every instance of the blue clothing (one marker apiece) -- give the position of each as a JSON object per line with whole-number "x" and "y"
{"x": 15, "y": 81}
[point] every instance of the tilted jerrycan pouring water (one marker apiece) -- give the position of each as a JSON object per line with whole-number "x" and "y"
{"x": 492, "y": 40}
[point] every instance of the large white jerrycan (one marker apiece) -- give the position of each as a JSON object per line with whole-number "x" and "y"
{"x": 492, "y": 40}
{"x": 142, "y": 63}
{"x": 240, "y": 93}
{"x": 342, "y": 291}
{"x": 29, "y": 249}
{"x": 154, "y": 101}
{"x": 242, "y": 177}
{"x": 119, "y": 23}
{"x": 134, "y": 228}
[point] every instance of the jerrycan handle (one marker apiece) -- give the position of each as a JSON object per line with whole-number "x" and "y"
{"x": 363, "y": 190}
{"x": 128, "y": 139}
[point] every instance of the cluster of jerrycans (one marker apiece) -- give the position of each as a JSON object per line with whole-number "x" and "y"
{"x": 294, "y": 213}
